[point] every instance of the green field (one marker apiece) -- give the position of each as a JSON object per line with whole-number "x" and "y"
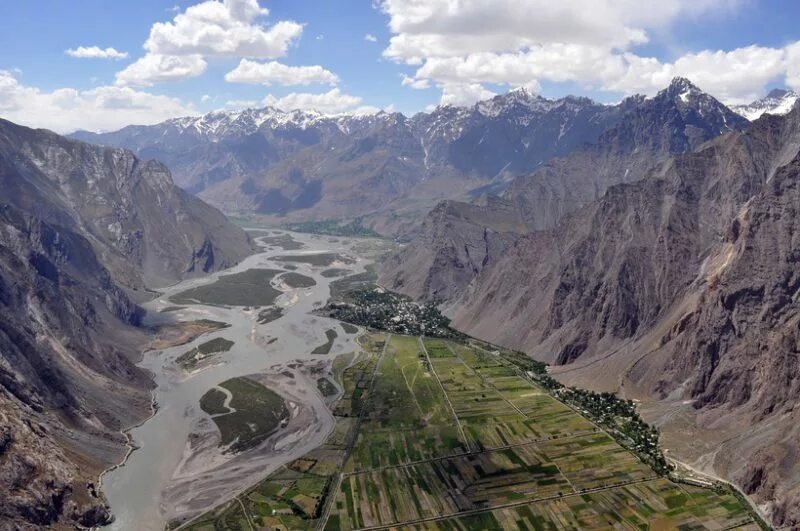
{"x": 256, "y": 412}
{"x": 296, "y": 280}
{"x": 335, "y": 272}
{"x": 316, "y": 259}
{"x": 189, "y": 360}
{"x": 248, "y": 288}
{"x": 284, "y": 241}
{"x": 438, "y": 434}
{"x": 267, "y": 315}
{"x": 325, "y": 348}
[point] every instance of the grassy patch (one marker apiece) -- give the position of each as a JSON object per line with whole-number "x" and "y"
{"x": 326, "y": 347}
{"x": 191, "y": 358}
{"x": 348, "y": 328}
{"x": 270, "y": 314}
{"x": 176, "y": 334}
{"x": 258, "y": 413}
{"x": 212, "y": 402}
{"x": 284, "y": 241}
{"x": 316, "y": 259}
{"x": 296, "y": 280}
{"x": 334, "y": 227}
{"x": 334, "y": 272}
{"x": 326, "y": 387}
{"x": 248, "y": 288}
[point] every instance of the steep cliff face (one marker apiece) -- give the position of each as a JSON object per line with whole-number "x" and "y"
{"x": 738, "y": 354}
{"x": 145, "y": 229}
{"x": 614, "y": 267}
{"x": 81, "y": 228}
{"x": 455, "y": 243}
{"x": 68, "y": 383}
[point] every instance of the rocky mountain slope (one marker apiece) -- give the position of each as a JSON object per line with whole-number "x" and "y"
{"x": 676, "y": 120}
{"x": 84, "y": 231}
{"x": 299, "y": 165}
{"x": 678, "y": 289}
{"x": 778, "y": 101}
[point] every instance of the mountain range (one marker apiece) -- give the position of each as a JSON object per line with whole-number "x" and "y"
{"x": 778, "y": 101}
{"x": 387, "y": 169}
{"x": 85, "y": 232}
{"x": 678, "y": 119}
{"x": 646, "y": 247}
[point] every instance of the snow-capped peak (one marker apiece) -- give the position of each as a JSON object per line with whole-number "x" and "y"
{"x": 682, "y": 89}
{"x": 778, "y": 101}
{"x": 221, "y": 122}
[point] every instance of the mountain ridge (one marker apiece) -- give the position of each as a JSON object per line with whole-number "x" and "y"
{"x": 85, "y": 231}
{"x": 677, "y": 119}
{"x": 675, "y": 289}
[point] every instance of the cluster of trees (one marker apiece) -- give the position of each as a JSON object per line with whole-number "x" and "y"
{"x": 382, "y": 310}
{"x": 614, "y": 414}
{"x": 334, "y": 228}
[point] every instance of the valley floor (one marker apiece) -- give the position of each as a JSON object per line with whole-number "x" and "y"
{"x": 445, "y": 434}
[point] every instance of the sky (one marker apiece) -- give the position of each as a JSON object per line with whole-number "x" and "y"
{"x": 100, "y": 65}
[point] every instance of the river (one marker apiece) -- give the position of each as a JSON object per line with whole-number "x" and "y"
{"x": 166, "y": 477}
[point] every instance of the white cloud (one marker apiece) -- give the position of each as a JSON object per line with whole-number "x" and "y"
{"x": 370, "y": 37}
{"x": 205, "y": 98}
{"x": 156, "y": 68}
{"x": 555, "y": 62}
{"x": 736, "y": 76}
{"x": 444, "y": 28}
{"x": 236, "y": 105}
{"x": 98, "y": 109}
{"x": 274, "y": 72}
{"x": 793, "y": 66}
{"x": 228, "y": 28}
{"x": 178, "y": 49}
{"x": 418, "y": 84}
{"x": 465, "y": 45}
{"x": 331, "y": 102}
{"x": 95, "y": 52}
{"x": 464, "y": 94}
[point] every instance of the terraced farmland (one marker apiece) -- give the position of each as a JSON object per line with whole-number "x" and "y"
{"x": 434, "y": 434}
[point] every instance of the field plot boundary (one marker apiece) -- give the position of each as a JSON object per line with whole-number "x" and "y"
{"x": 330, "y": 500}
{"x": 464, "y": 438}
{"x": 520, "y": 503}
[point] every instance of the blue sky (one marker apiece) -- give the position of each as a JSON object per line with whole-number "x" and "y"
{"x": 446, "y": 51}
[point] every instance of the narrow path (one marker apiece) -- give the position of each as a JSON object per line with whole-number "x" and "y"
{"x": 447, "y": 398}
{"x": 714, "y": 477}
{"x": 410, "y": 384}
{"x": 244, "y": 511}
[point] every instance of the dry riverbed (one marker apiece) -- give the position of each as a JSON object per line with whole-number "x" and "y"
{"x": 180, "y": 466}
